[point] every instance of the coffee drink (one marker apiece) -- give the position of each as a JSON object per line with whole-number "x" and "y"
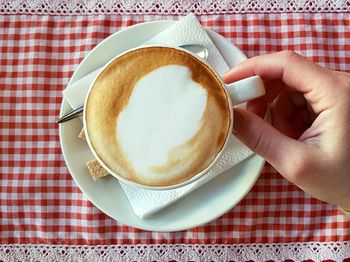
{"x": 157, "y": 116}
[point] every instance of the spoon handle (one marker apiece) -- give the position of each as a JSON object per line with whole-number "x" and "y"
{"x": 71, "y": 114}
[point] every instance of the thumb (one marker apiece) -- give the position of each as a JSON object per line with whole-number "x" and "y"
{"x": 279, "y": 150}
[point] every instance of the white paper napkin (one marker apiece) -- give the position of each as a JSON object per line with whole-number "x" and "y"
{"x": 146, "y": 202}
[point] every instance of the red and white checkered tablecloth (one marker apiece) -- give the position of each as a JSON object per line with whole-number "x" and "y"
{"x": 44, "y": 212}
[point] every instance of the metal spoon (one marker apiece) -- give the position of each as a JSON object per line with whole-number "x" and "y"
{"x": 199, "y": 50}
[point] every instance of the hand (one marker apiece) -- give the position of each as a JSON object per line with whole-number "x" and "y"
{"x": 308, "y": 141}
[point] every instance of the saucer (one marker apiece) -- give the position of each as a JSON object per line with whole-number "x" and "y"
{"x": 199, "y": 207}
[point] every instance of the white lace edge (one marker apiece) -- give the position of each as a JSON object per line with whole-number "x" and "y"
{"x": 297, "y": 251}
{"x": 169, "y": 7}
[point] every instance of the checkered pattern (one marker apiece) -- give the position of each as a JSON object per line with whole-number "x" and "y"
{"x": 39, "y": 201}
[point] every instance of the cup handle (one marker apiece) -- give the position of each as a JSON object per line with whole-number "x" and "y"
{"x": 246, "y": 89}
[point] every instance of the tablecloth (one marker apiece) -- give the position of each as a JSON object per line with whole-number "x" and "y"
{"x": 45, "y": 216}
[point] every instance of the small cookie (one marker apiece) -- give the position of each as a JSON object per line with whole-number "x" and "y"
{"x": 82, "y": 134}
{"x": 96, "y": 170}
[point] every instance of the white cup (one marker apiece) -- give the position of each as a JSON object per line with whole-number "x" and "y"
{"x": 236, "y": 93}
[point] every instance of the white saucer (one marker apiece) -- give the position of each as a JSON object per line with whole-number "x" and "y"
{"x": 199, "y": 207}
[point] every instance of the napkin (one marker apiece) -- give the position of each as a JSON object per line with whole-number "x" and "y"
{"x": 143, "y": 201}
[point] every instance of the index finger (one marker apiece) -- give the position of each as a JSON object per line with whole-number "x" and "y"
{"x": 293, "y": 69}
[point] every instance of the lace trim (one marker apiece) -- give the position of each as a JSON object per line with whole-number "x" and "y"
{"x": 240, "y": 252}
{"x": 169, "y": 7}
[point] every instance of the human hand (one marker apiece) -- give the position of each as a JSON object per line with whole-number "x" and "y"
{"x": 308, "y": 139}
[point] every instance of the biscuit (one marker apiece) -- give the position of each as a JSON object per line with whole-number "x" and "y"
{"x": 96, "y": 170}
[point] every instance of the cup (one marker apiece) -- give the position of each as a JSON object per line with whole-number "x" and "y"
{"x": 110, "y": 104}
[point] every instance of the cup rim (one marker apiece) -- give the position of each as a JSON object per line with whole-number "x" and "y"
{"x": 194, "y": 177}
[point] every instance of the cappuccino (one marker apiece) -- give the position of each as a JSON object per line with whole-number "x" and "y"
{"x": 157, "y": 116}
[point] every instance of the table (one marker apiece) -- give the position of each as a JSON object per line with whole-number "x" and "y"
{"x": 45, "y": 217}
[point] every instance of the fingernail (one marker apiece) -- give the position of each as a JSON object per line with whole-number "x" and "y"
{"x": 224, "y": 75}
{"x": 227, "y": 73}
{"x": 237, "y": 122}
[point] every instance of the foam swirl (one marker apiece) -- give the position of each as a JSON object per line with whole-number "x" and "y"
{"x": 164, "y": 112}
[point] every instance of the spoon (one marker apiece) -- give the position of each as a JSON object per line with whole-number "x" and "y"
{"x": 198, "y": 50}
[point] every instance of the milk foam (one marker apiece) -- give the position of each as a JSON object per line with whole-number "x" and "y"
{"x": 164, "y": 111}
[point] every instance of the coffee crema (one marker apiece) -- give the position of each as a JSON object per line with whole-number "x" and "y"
{"x": 157, "y": 116}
